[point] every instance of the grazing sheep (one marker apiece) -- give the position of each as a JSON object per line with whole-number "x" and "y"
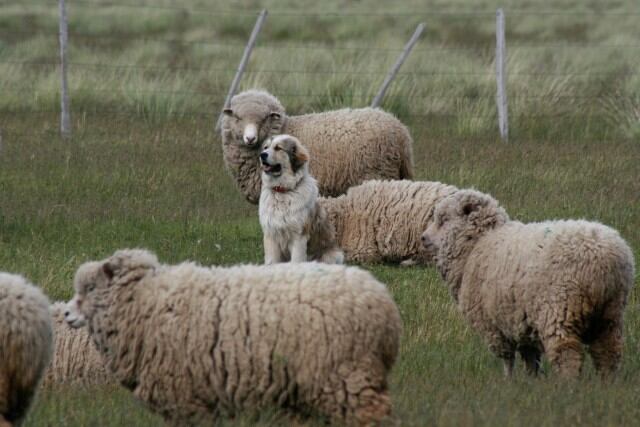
{"x": 26, "y": 338}
{"x": 75, "y": 359}
{"x": 347, "y": 146}
{"x": 547, "y": 287}
{"x": 195, "y": 343}
{"x": 382, "y": 221}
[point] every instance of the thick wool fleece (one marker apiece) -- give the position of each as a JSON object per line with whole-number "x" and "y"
{"x": 347, "y": 146}
{"x": 75, "y": 359}
{"x": 26, "y": 338}
{"x": 382, "y": 221}
{"x": 197, "y": 342}
{"x": 547, "y": 287}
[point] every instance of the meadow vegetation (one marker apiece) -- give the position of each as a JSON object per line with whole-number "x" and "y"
{"x": 144, "y": 166}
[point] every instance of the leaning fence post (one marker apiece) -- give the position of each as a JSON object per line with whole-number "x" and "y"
{"x": 243, "y": 62}
{"x": 65, "y": 116}
{"x": 396, "y": 67}
{"x": 501, "y": 76}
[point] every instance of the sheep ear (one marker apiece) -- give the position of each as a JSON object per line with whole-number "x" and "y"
{"x": 228, "y": 112}
{"x": 275, "y": 115}
{"x": 108, "y": 270}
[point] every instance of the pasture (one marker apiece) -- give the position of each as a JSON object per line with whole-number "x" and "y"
{"x": 144, "y": 167}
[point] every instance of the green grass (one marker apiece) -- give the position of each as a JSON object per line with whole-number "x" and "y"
{"x": 144, "y": 167}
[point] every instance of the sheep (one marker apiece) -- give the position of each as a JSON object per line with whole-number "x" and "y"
{"x": 549, "y": 287}
{"x": 75, "y": 359}
{"x": 196, "y": 343}
{"x": 382, "y": 221}
{"x": 347, "y": 146}
{"x": 26, "y": 339}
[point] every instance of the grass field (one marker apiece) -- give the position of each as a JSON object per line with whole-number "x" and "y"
{"x": 144, "y": 167}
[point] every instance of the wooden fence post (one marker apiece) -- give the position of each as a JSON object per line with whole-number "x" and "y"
{"x": 65, "y": 114}
{"x": 396, "y": 67}
{"x": 501, "y": 76}
{"x": 243, "y": 63}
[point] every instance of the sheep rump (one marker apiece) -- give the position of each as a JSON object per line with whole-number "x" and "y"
{"x": 75, "y": 359}
{"x": 25, "y": 345}
{"x": 195, "y": 342}
{"x": 347, "y": 146}
{"x": 549, "y": 287}
{"x": 382, "y": 221}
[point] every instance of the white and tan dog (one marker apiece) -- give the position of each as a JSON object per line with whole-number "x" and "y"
{"x": 294, "y": 225}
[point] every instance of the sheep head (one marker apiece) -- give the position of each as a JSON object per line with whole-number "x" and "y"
{"x": 459, "y": 220}
{"x": 252, "y": 117}
{"x": 96, "y": 278}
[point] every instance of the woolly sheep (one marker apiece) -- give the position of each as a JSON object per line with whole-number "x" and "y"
{"x": 26, "y": 338}
{"x": 347, "y": 146}
{"x": 75, "y": 359}
{"x": 547, "y": 287}
{"x": 196, "y": 343}
{"x": 382, "y": 221}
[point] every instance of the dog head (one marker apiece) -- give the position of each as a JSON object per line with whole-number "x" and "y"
{"x": 283, "y": 154}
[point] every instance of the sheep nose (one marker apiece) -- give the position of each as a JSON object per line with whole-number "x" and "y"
{"x": 67, "y": 313}
{"x": 263, "y": 156}
{"x": 249, "y": 139}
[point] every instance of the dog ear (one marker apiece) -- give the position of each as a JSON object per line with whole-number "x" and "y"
{"x": 228, "y": 112}
{"x": 298, "y": 155}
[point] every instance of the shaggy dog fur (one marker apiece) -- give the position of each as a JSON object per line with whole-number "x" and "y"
{"x": 547, "y": 287}
{"x": 26, "y": 339}
{"x": 295, "y": 227}
{"x": 75, "y": 358}
{"x": 347, "y": 146}
{"x": 382, "y": 221}
{"x": 196, "y": 343}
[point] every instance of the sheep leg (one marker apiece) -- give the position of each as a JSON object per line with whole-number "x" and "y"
{"x": 507, "y": 365}
{"x": 606, "y": 349}
{"x": 565, "y": 354}
{"x": 298, "y": 249}
{"x": 532, "y": 359}
{"x": 272, "y": 252}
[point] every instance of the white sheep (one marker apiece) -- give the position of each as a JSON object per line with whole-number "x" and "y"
{"x": 347, "y": 146}
{"x": 75, "y": 358}
{"x": 382, "y": 221}
{"x": 196, "y": 343}
{"x": 26, "y": 339}
{"x": 549, "y": 287}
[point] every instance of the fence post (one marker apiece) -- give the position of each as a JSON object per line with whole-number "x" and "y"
{"x": 396, "y": 67}
{"x": 501, "y": 76}
{"x": 65, "y": 117}
{"x": 243, "y": 63}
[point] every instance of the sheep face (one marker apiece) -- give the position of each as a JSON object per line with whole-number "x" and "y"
{"x": 459, "y": 220}
{"x": 282, "y": 153}
{"x": 89, "y": 277}
{"x": 250, "y": 124}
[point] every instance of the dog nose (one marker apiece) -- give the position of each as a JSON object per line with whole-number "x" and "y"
{"x": 263, "y": 156}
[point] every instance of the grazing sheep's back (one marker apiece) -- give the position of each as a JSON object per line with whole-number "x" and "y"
{"x": 197, "y": 341}
{"x": 75, "y": 359}
{"x": 25, "y": 344}
{"x": 351, "y": 146}
{"x": 382, "y": 221}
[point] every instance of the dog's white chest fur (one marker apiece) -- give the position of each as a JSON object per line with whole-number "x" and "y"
{"x": 286, "y": 214}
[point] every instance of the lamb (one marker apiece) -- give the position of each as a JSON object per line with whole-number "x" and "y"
{"x": 382, "y": 221}
{"x": 75, "y": 358}
{"x": 347, "y": 146}
{"x": 26, "y": 339}
{"x": 549, "y": 287}
{"x": 196, "y": 343}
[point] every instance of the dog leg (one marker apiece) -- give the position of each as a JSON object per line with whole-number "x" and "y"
{"x": 298, "y": 249}
{"x": 272, "y": 253}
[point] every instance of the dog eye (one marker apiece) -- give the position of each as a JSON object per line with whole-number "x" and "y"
{"x": 277, "y": 148}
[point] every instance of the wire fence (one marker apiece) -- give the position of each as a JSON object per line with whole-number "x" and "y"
{"x": 76, "y": 36}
